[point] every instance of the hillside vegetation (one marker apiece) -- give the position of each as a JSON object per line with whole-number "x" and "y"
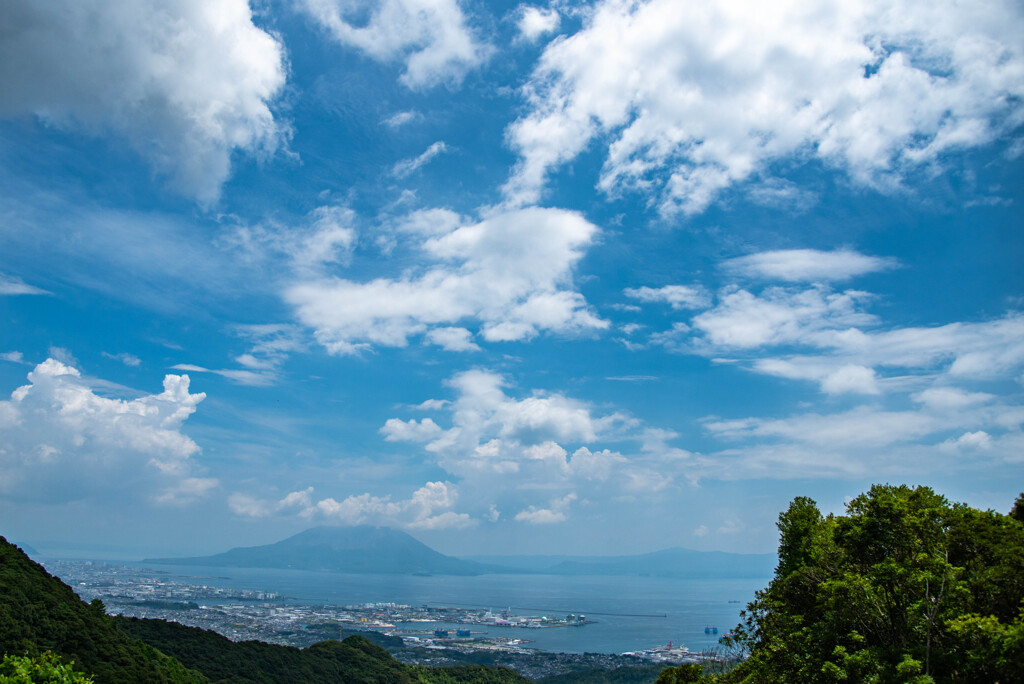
{"x": 904, "y": 588}
{"x": 41, "y": 617}
{"x": 353, "y": 660}
{"x": 39, "y": 613}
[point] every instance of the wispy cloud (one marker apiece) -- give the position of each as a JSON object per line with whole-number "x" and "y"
{"x": 12, "y": 285}
{"x": 407, "y": 167}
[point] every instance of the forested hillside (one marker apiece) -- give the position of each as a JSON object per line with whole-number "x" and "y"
{"x": 353, "y": 660}
{"x": 39, "y": 614}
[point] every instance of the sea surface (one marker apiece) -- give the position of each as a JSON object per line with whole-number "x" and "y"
{"x": 631, "y": 613}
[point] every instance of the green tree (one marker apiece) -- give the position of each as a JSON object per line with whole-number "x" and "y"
{"x": 683, "y": 674}
{"x": 46, "y": 668}
{"x": 1017, "y": 512}
{"x": 905, "y": 587}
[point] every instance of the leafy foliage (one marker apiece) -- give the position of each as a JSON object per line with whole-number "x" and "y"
{"x": 904, "y": 588}
{"x": 46, "y": 668}
{"x": 645, "y": 674}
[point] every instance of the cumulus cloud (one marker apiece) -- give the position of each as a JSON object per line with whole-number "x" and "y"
{"x": 537, "y": 442}
{"x": 13, "y": 285}
{"x": 251, "y": 507}
{"x": 396, "y": 430}
{"x": 431, "y": 37}
{"x": 511, "y": 272}
{"x": 556, "y": 512}
{"x": 745, "y": 320}
{"x": 452, "y": 339}
{"x": 534, "y": 22}
{"x": 186, "y": 83}
{"x": 60, "y": 440}
{"x": 807, "y": 265}
{"x": 678, "y": 296}
{"x": 429, "y": 508}
{"x": 850, "y": 378}
{"x": 694, "y": 98}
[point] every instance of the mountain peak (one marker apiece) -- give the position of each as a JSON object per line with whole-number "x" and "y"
{"x": 355, "y": 549}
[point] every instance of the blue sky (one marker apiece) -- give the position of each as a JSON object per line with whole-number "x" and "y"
{"x": 558, "y": 278}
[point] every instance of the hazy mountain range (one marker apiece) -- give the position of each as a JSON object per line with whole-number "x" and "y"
{"x": 364, "y": 549}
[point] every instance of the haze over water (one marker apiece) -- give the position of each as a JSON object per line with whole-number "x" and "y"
{"x": 632, "y": 606}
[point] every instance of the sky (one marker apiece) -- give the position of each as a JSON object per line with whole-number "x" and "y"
{"x": 586, "y": 278}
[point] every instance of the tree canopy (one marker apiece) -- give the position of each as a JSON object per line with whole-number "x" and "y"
{"x": 906, "y": 587}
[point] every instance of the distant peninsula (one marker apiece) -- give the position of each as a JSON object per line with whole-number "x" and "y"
{"x": 377, "y": 550}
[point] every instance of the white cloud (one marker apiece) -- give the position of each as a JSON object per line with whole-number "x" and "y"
{"x": 13, "y": 285}
{"x": 61, "y": 441}
{"x": 251, "y": 507}
{"x": 396, "y": 430}
{"x": 240, "y": 376}
{"x": 850, "y": 379}
{"x": 951, "y": 398}
{"x": 399, "y": 119}
{"x": 808, "y": 265}
{"x": 187, "y": 83}
{"x": 970, "y": 441}
{"x": 556, "y": 512}
{"x": 538, "y": 441}
{"x": 535, "y": 22}
{"x": 187, "y": 490}
{"x": 407, "y": 167}
{"x": 326, "y": 238}
{"x": 777, "y": 316}
{"x": 693, "y": 98}
{"x": 592, "y": 465}
{"x": 959, "y": 352}
{"x": 452, "y": 339}
{"x": 427, "y": 508}
{"x": 678, "y": 296}
{"x": 127, "y": 359}
{"x": 512, "y": 272}
{"x": 430, "y": 36}
{"x": 13, "y": 357}
{"x": 859, "y": 427}
{"x": 432, "y": 405}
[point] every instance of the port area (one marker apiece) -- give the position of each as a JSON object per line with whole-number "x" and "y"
{"x": 426, "y": 635}
{"x": 242, "y": 614}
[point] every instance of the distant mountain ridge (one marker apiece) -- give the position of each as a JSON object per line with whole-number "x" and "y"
{"x": 382, "y": 550}
{"x": 359, "y": 549}
{"x": 675, "y": 562}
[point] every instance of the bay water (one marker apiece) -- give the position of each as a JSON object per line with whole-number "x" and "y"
{"x": 631, "y": 613}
